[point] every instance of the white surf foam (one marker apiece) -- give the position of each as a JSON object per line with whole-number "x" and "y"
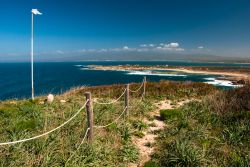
{"x": 210, "y": 79}
{"x": 216, "y": 82}
{"x": 84, "y": 68}
{"x": 154, "y": 74}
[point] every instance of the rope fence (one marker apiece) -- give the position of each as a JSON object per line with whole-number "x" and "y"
{"x": 104, "y": 126}
{"x": 85, "y": 136}
{"x": 134, "y": 91}
{"x": 112, "y": 102}
{"x": 143, "y": 85}
{"x": 44, "y": 134}
{"x": 90, "y": 117}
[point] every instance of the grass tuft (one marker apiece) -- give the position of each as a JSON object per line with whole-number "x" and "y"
{"x": 170, "y": 114}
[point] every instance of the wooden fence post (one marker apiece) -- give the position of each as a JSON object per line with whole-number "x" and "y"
{"x": 90, "y": 116}
{"x": 127, "y": 99}
{"x": 144, "y": 86}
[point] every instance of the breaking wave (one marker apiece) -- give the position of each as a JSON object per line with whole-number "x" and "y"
{"x": 217, "y": 82}
{"x": 154, "y": 74}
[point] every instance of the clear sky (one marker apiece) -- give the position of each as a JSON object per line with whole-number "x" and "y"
{"x": 74, "y": 27}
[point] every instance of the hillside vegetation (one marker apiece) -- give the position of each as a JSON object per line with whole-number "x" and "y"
{"x": 200, "y": 133}
{"x": 212, "y": 132}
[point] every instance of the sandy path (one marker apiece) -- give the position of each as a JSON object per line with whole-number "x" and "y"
{"x": 142, "y": 143}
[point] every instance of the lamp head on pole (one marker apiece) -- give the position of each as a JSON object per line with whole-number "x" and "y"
{"x": 36, "y": 12}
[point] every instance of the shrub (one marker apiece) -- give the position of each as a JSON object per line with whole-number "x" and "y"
{"x": 170, "y": 114}
{"x": 236, "y": 159}
{"x": 129, "y": 153}
{"x": 140, "y": 125}
{"x": 180, "y": 153}
{"x": 139, "y": 134}
{"x": 182, "y": 124}
{"x": 231, "y": 102}
{"x": 125, "y": 134}
{"x": 151, "y": 164}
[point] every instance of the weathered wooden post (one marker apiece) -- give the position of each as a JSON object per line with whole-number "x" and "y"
{"x": 144, "y": 86}
{"x": 90, "y": 116}
{"x": 127, "y": 99}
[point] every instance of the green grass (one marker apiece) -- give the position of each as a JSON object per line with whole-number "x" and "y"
{"x": 25, "y": 119}
{"x": 150, "y": 164}
{"x": 170, "y": 114}
{"x": 199, "y": 134}
{"x": 112, "y": 146}
{"x": 181, "y": 153}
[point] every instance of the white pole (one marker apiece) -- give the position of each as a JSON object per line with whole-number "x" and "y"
{"x": 32, "y": 55}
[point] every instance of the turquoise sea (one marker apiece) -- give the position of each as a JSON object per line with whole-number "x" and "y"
{"x": 58, "y": 77}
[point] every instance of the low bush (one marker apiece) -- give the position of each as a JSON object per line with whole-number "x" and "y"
{"x": 150, "y": 164}
{"x": 228, "y": 103}
{"x": 140, "y": 125}
{"x": 180, "y": 153}
{"x": 170, "y": 114}
{"x": 129, "y": 153}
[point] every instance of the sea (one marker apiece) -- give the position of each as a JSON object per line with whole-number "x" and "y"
{"x": 58, "y": 77}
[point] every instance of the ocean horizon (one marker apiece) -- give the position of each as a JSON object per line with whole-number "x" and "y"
{"x": 58, "y": 77}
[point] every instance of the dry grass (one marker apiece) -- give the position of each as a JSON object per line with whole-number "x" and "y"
{"x": 231, "y": 101}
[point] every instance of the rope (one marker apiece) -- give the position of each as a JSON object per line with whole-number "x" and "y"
{"x": 113, "y": 121}
{"x": 85, "y": 135}
{"x": 142, "y": 97}
{"x": 111, "y": 101}
{"x": 44, "y": 134}
{"x": 138, "y": 88}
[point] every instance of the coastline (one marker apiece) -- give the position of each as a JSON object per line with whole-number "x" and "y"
{"x": 228, "y": 75}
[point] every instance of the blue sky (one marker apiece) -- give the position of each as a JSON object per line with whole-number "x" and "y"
{"x": 79, "y": 27}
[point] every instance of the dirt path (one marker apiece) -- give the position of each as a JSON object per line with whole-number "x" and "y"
{"x": 146, "y": 143}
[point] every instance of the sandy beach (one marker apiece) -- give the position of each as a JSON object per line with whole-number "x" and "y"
{"x": 228, "y": 75}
